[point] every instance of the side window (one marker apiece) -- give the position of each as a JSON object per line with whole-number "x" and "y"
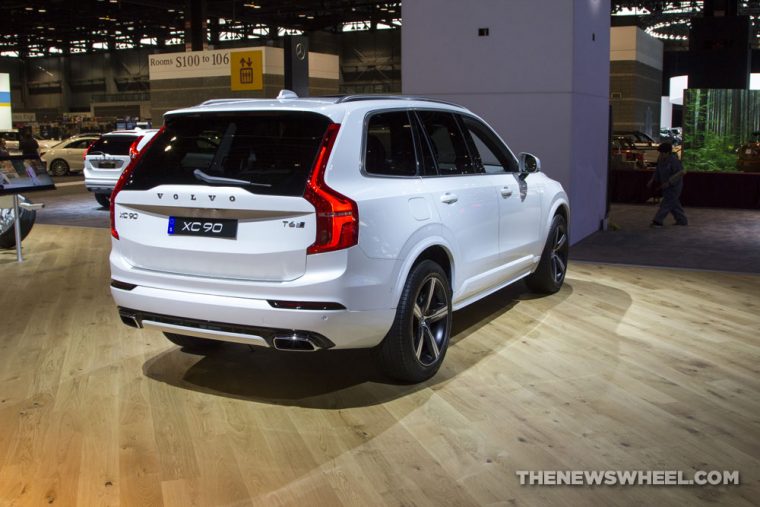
{"x": 389, "y": 147}
{"x": 80, "y": 143}
{"x": 447, "y": 143}
{"x": 490, "y": 152}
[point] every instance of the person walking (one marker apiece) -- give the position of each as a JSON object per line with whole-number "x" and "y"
{"x": 669, "y": 177}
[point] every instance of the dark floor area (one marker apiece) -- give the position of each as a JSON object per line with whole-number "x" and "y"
{"x": 70, "y": 204}
{"x": 715, "y": 239}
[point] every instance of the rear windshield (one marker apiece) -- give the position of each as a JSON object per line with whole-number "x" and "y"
{"x": 112, "y": 145}
{"x": 265, "y": 153}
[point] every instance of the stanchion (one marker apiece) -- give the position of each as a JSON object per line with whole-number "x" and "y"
{"x": 17, "y": 227}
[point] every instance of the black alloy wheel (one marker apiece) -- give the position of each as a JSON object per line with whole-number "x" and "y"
{"x": 414, "y": 348}
{"x": 430, "y": 323}
{"x": 552, "y": 268}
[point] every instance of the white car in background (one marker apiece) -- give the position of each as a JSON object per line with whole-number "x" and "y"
{"x": 107, "y": 157}
{"x": 13, "y": 136}
{"x": 68, "y": 155}
{"x": 319, "y": 223}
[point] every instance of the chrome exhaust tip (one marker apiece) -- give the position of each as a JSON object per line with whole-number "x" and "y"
{"x": 294, "y": 343}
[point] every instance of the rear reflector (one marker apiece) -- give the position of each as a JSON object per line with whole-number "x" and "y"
{"x": 116, "y": 284}
{"x": 305, "y": 305}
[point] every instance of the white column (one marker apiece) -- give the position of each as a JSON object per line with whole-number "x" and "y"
{"x": 6, "y": 121}
{"x": 540, "y": 78}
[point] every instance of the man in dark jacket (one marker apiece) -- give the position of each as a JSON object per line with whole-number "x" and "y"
{"x": 669, "y": 177}
{"x": 28, "y": 145}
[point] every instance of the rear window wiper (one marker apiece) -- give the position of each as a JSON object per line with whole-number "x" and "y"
{"x": 218, "y": 180}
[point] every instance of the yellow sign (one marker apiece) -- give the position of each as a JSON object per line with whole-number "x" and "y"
{"x": 246, "y": 70}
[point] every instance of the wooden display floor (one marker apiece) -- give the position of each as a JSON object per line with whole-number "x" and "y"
{"x": 625, "y": 369}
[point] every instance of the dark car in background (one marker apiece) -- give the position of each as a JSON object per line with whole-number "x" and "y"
{"x": 748, "y": 159}
{"x": 672, "y": 135}
{"x": 642, "y": 142}
{"x": 625, "y": 155}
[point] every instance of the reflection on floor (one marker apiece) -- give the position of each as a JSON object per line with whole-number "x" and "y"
{"x": 717, "y": 239}
{"x": 624, "y": 369}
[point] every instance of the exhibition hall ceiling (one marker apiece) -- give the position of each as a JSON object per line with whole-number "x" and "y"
{"x": 670, "y": 21}
{"x": 44, "y": 27}
{"x": 34, "y": 27}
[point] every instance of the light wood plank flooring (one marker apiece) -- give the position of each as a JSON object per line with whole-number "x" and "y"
{"x": 626, "y": 368}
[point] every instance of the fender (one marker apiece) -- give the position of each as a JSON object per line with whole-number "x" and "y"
{"x": 406, "y": 262}
{"x": 560, "y": 199}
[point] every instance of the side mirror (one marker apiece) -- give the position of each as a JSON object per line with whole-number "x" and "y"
{"x": 529, "y": 163}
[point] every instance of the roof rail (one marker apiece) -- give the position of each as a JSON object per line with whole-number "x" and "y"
{"x": 222, "y": 101}
{"x": 357, "y": 98}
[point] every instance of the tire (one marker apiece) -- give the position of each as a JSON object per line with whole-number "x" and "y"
{"x": 59, "y": 167}
{"x": 104, "y": 200}
{"x": 550, "y": 274}
{"x": 191, "y": 343}
{"x": 7, "y": 228}
{"x": 414, "y": 348}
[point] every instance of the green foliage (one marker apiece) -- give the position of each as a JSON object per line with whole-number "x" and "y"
{"x": 715, "y": 152}
{"x": 716, "y": 122}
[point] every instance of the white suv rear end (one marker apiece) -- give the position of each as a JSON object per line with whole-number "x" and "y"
{"x": 309, "y": 224}
{"x": 108, "y": 156}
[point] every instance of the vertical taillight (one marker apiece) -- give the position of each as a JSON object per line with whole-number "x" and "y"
{"x": 134, "y": 155}
{"x": 337, "y": 215}
{"x": 133, "y": 151}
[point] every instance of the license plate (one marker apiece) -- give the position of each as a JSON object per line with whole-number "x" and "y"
{"x": 107, "y": 165}
{"x": 207, "y": 227}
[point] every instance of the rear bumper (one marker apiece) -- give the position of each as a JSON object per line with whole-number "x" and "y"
{"x": 100, "y": 185}
{"x": 251, "y": 321}
{"x": 365, "y": 291}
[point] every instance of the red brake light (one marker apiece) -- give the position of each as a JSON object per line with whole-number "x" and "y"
{"x": 133, "y": 151}
{"x": 337, "y": 215}
{"x": 125, "y": 176}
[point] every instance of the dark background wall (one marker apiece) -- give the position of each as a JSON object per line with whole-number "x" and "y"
{"x": 635, "y": 96}
{"x": 117, "y": 81}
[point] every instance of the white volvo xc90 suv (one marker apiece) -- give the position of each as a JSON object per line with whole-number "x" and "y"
{"x": 318, "y": 223}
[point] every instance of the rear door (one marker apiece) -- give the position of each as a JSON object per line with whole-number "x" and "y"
{"x": 72, "y": 152}
{"x": 465, "y": 198}
{"x": 221, "y": 195}
{"x": 519, "y": 199}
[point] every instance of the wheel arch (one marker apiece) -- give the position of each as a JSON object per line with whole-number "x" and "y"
{"x": 436, "y": 251}
{"x": 560, "y": 206}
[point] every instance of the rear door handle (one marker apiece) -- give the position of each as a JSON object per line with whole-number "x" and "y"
{"x": 506, "y": 192}
{"x": 448, "y": 198}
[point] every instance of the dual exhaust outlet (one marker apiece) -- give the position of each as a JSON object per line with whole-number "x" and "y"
{"x": 294, "y": 343}
{"x": 284, "y": 340}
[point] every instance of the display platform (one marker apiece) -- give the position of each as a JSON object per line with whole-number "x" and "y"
{"x": 626, "y": 368}
{"x": 23, "y": 174}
